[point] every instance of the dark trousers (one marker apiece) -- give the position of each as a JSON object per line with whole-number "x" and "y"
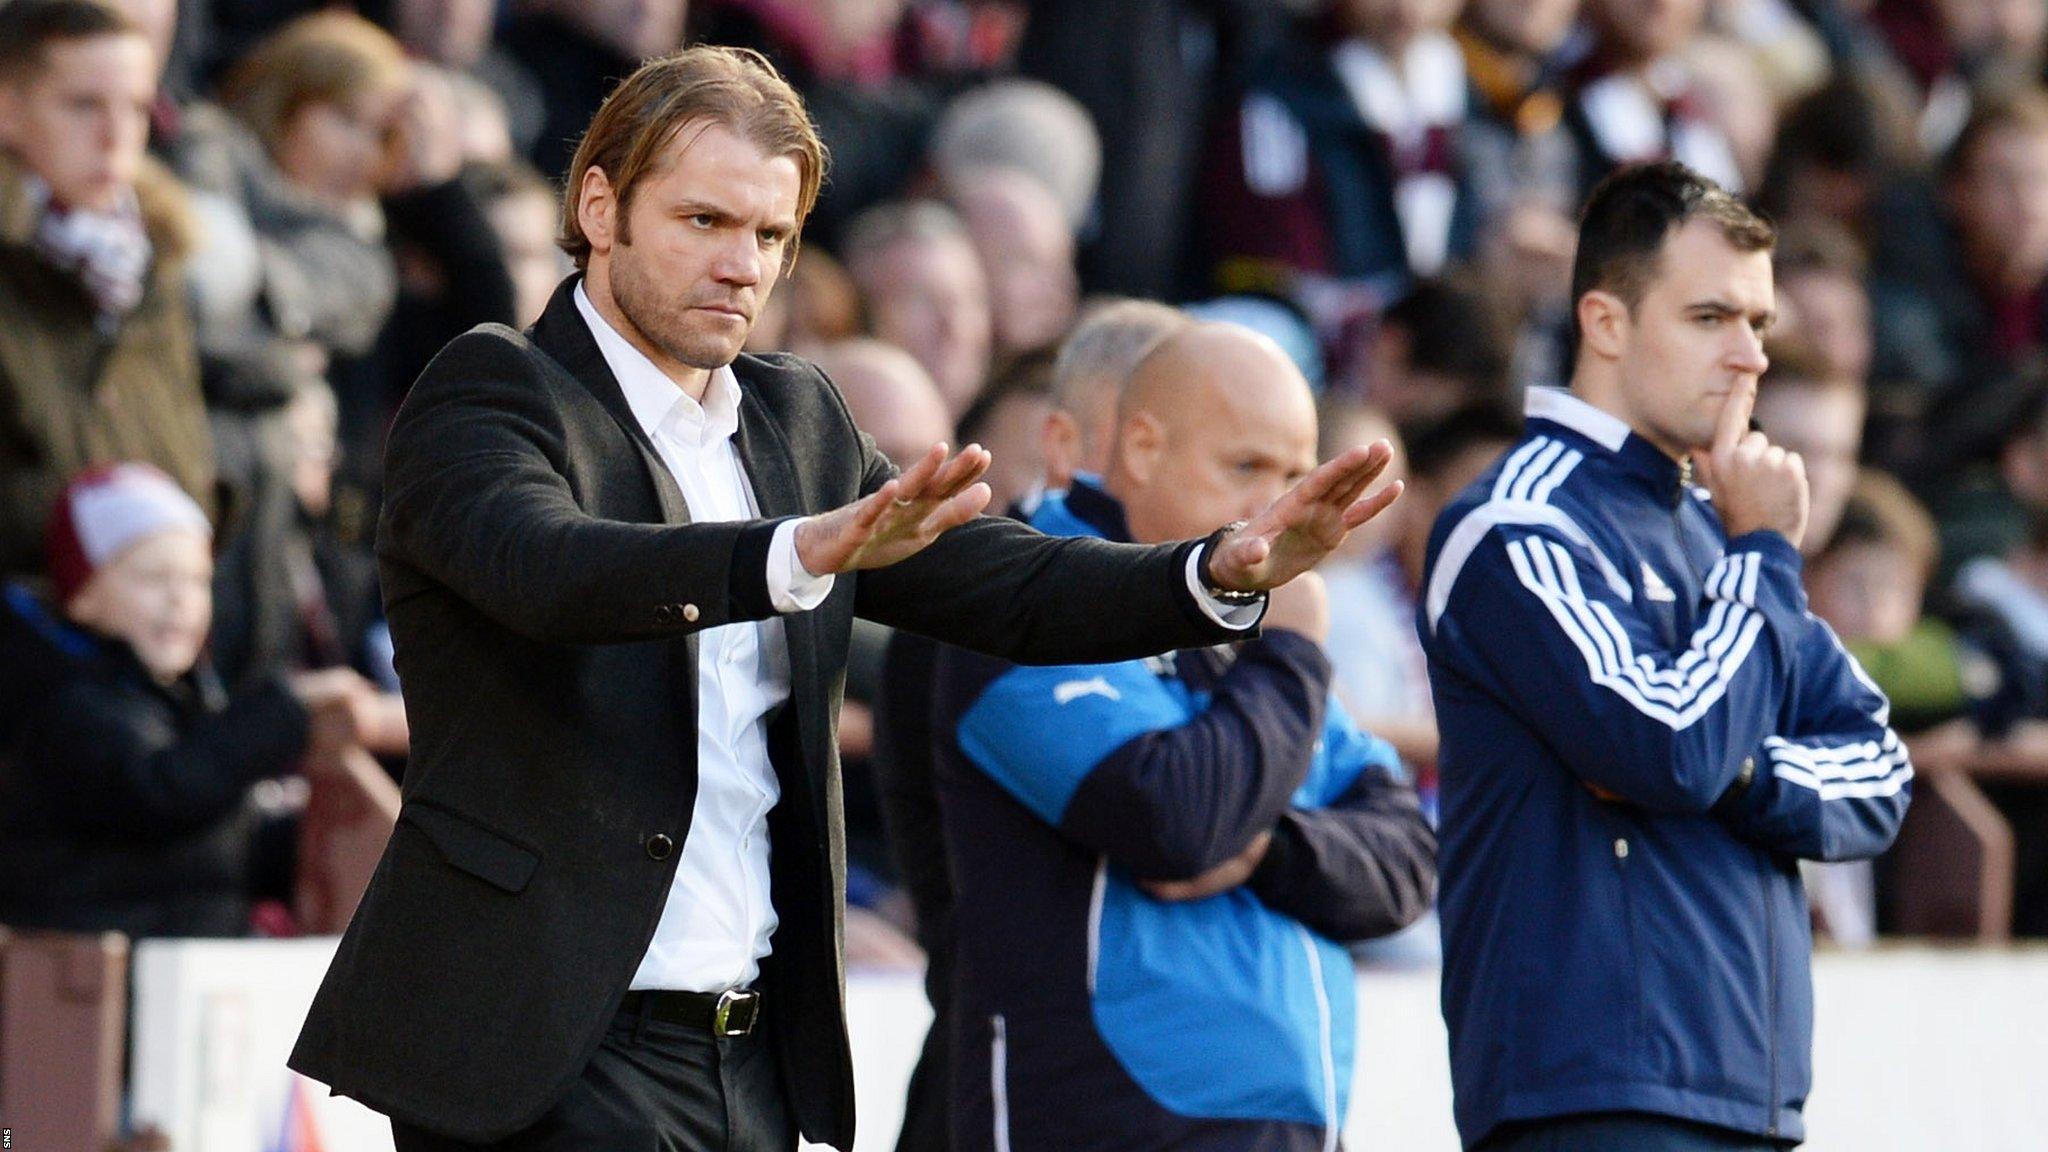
{"x": 654, "y": 1087}
{"x": 1622, "y": 1132}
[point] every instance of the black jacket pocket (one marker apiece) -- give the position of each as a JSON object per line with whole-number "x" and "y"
{"x": 475, "y": 849}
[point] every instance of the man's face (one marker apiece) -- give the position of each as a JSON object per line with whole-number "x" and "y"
{"x": 81, "y": 123}
{"x": 157, "y": 595}
{"x": 2000, "y": 200}
{"x": 1536, "y": 27}
{"x": 1235, "y": 428}
{"x": 930, "y": 298}
{"x": 710, "y": 228}
{"x": 335, "y": 151}
{"x": 1393, "y": 21}
{"x": 1695, "y": 336}
{"x": 1639, "y": 31}
{"x": 1028, "y": 253}
{"x": 1868, "y": 592}
{"x": 525, "y": 224}
{"x": 1824, "y": 424}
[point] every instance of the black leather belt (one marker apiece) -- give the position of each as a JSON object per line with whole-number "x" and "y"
{"x": 733, "y": 1012}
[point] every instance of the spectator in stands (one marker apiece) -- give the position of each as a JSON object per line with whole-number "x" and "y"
{"x": 1634, "y": 98}
{"x": 1951, "y": 50}
{"x": 1442, "y": 348}
{"x": 1987, "y": 508}
{"x": 1961, "y": 334}
{"x": 298, "y": 592}
{"x": 1026, "y": 125}
{"x": 1808, "y": 406}
{"x": 925, "y": 292}
{"x": 126, "y": 766}
{"x": 459, "y": 35}
{"x": 1027, "y": 249}
{"x": 1343, "y": 159}
{"x": 1516, "y": 150}
{"x": 1156, "y": 859}
{"x": 523, "y": 211}
{"x": 576, "y": 50}
{"x": 1088, "y": 377}
{"x": 891, "y": 396}
{"x": 1820, "y": 270}
{"x": 1009, "y": 420}
{"x": 97, "y": 360}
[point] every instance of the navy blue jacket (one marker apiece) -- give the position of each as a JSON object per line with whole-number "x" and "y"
{"x": 1089, "y": 1015}
{"x": 1589, "y": 625}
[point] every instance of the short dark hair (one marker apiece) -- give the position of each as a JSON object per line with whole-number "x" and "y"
{"x": 2017, "y": 109}
{"x": 1621, "y": 234}
{"x": 1434, "y": 447}
{"x": 29, "y": 27}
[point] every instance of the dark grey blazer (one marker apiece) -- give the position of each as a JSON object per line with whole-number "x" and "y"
{"x": 545, "y": 587}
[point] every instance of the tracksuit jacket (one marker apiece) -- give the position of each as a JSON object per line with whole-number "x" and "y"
{"x": 1090, "y": 1015}
{"x": 1589, "y": 626}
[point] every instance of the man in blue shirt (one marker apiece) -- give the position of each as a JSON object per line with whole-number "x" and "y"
{"x": 1157, "y": 861}
{"x": 1644, "y": 729}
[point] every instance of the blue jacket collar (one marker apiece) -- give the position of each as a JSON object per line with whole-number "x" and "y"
{"x": 1632, "y": 454}
{"x": 1082, "y": 510}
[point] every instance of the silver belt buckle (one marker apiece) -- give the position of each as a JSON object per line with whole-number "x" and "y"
{"x": 737, "y": 1011}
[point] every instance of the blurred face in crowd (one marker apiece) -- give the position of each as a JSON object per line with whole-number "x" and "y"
{"x": 312, "y": 424}
{"x": 929, "y": 297}
{"x": 1012, "y": 436}
{"x": 1666, "y": 365}
{"x": 1639, "y": 31}
{"x": 1393, "y": 22}
{"x": 525, "y": 225}
{"x": 335, "y": 151}
{"x": 1027, "y": 252}
{"x": 710, "y": 228}
{"x": 1869, "y": 592}
{"x": 156, "y": 594}
{"x": 2009, "y": 28}
{"x": 1535, "y": 27}
{"x": 452, "y": 32}
{"x": 1833, "y": 314}
{"x": 1217, "y": 423}
{"x": 82, "y": 121}
{"x": 1999, "y": 198}
{"x": 1823, "y": 422}
{"x": 892, "y": 399}
{"x": 158, "y": 20}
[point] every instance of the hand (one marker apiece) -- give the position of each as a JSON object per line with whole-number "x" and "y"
{"x": 1301, "y": 605}
{"x": 1756, "y": 484}
{"x": 1221, "y": 878}
{"x": 425, "y": 146}
{"x": 1305, "y": 524}
{"x": 345, "y": 706}
{"x": 897, "y": 520}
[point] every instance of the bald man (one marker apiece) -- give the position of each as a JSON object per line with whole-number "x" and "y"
{"x": 1158, "y": 862}
{"x": 891, "y": 396}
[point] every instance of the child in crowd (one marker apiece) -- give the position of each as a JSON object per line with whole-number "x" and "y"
{"x": 126, "y": 768}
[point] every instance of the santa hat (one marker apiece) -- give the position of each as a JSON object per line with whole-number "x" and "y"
{"x": 105, "y": 510}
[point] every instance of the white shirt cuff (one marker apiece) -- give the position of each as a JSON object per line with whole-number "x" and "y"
{"x": 791, "y": 587}
{"x": 1240, "y": 617}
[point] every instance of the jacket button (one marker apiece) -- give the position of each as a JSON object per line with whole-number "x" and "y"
{"x": 690, "y": 613}
{"x": 659, "y": 846}
{"x": 1621, "y": 849}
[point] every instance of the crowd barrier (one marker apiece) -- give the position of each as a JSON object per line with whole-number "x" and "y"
{"x": 1919, "y": 1049}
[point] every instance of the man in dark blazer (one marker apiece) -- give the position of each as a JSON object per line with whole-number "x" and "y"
{"x": 621, "y": 563}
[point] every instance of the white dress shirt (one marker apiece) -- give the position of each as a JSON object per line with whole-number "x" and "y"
{"x": 716, "y": 924}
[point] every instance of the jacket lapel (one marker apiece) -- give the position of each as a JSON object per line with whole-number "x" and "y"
{"x": 563, "y": 335}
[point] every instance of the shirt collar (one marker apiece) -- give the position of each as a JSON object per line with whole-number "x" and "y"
{"x": 1631, "y": 452}
{"x": 660, "y": 406}
{"x": 1082, "y": 510}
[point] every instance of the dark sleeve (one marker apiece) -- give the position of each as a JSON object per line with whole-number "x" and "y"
{"x": 114, "y": 766}
{"x": 1362, "y": 867}
{"x": 1003, "y": 589}
{"x": 904, "y": 782}
{"x": 27, "y": 496}
{"x": 446, "y": 223}
{"x": 1104, "y": 753}
{"x": 477, "y": 499}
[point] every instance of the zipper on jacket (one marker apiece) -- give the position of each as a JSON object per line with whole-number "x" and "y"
{"x": 1771, "y": 995}
{"x": 1325, "y": 1048}
{"x": 999, "y": 1081}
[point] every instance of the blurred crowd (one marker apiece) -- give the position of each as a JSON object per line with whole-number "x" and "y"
{"x": 232, "y": 232}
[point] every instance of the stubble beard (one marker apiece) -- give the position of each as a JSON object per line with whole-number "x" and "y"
{"x": 663, "y": 317}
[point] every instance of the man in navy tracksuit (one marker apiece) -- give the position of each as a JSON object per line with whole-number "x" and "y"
{"x": 1644, "y": 730}
{"x": 1156, "y": 862}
